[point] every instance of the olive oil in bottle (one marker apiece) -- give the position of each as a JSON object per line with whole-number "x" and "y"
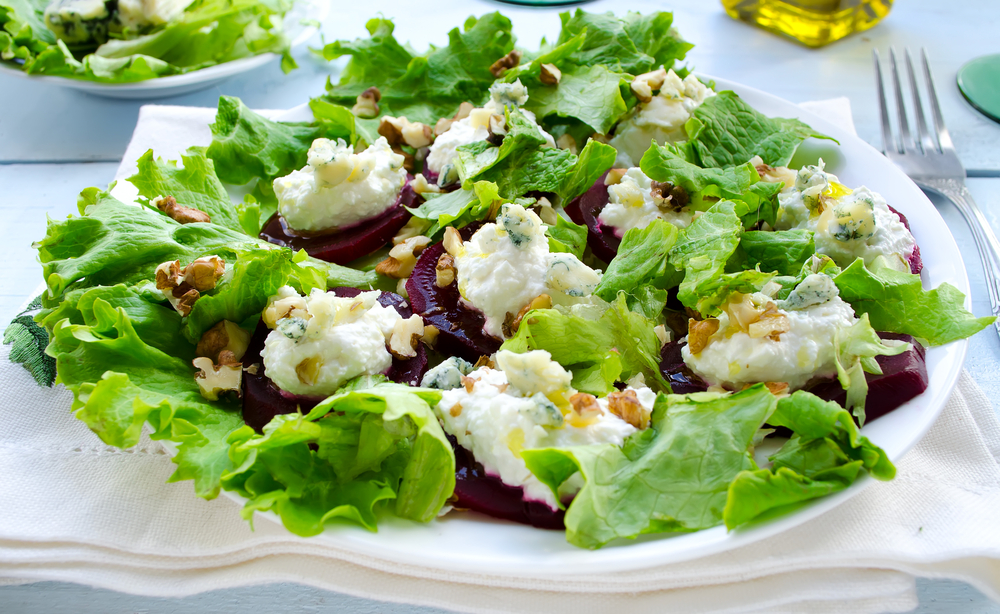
{"x": 813, "y": 23}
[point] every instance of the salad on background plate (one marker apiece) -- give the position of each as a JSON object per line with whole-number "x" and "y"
{"x": 149, "y": 47}
{"x": 575, "y": 287}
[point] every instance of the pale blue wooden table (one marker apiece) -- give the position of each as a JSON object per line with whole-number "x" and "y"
{"x": 55, "y": 141}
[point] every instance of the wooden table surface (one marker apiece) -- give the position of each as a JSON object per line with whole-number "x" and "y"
{"x": 55, "y": 141}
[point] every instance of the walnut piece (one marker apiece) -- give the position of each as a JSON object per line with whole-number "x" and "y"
{"x": 699, "y": 332}
{"x": 626, "y": 406}
{"x": 214, "y": 380}
{"x": 770, "y": 324}
{"x": 614, "y": 176}
{"x": 413, "y": 228}
{"x": 402, "y": 258}
{"x": 585, "y": 405}
{"x": 367, "y": 103}
{"x": 511, "y": 60}
{"x": 444, "y": 270}
{"x": 405, "y": 335}
{"x": 308, "y": 370}
{"x": 183, "y": 285}
{"x": 568, "y": 143}
{"x": 777, "y": 388}
{"x": 668, "y": 196}
{"x": 179, "y": 213}
{"x": 542, "y": 301}
{"x": 452, "y": 241}
{"x": 430, "y": 335}
{"x": 399, "y": 131}
{"x": 224, "y": 337}
{"x": 550, "y": 75}
{"x": 645, "y": 84}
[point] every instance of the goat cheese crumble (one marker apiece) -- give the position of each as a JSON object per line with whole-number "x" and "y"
{"x": 320, "y": 341}
{"x": 507, "y": 264}
{"x": 442, "y": 153}
{"x": 632, "y": 204}
{"x": 748, "y": 348}
{"x": 661, "y": 119}
{"x": 847, "y": 224}
{"x": 525, "y": 404}
{"x": 338, "y": 188}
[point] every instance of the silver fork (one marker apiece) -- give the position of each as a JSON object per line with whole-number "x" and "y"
{"x": 931, "y": 162}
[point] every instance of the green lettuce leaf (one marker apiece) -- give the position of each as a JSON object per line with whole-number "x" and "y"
{"x": 671, "y": 477}
{"x": 641, "y": 262}
{"x": 856, "y": 348}
{"x": 193, "y": 184}
{"x": 522, "y": 163}
{"x": 725, "y": 131}
{"x": 897, "y": 302}
{"x": 825, "y": 455}
{"x": 600, "y": 344}
{"x": 372, "y": 446}
{"x": 425, "y": 87}
{"x": 784, "y": 252}
{"x": 631, "y": 44}
{"x": 459, "y": 208}
{"x": 565, "y": 236}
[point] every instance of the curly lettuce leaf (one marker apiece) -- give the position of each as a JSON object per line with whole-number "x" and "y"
{"x": 425, "y": 87}
{"x": 784, "y": 252}
{"x": 702, "y": 252}
{"x": 600, "y": 344}
{"x": 458, "y": 208}
{"x": 672, "y": 477}
{"x": 371, "y": 447}
{"x": 896, "y": 302}
{"x": 825, "y": 455}
{"x": 565, "y": 236}
{"x": 193, "y": 184}
{"x": 641, "y": 262}
{"x": 631, "y": 44}
{"x": 23, "y": 34}
{"x": 725, "y": 131}
{"x": 523, "y": 163}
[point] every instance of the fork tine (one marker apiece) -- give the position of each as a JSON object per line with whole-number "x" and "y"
{"x": 888, "y": 142}
{"x": 905, "y": 140}
{"x": 924, "y": 138}
{"x": 944, "y": 139}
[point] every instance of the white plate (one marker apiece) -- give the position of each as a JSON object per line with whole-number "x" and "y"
{"x": 468, "y": 541}
{"x": 175, "y": 85}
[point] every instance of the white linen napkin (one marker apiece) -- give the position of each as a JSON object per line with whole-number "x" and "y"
{"x": 73, "y": 509}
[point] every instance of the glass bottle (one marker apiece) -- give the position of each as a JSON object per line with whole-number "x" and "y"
{"x": 813, "y": 23}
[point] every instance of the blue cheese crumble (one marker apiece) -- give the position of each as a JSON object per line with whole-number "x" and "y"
{"x": 528, "y": 402}
{"x": 847, "y": 224}
{"x": 661, "y": 119}
{"x": 507, "y": 264}
{"x": 632, "y": 204}
{"x": 318, "y": 342}
{"x": 338, "y": 188}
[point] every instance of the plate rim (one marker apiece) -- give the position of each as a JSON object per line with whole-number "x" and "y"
{"x": 360, "y": 546}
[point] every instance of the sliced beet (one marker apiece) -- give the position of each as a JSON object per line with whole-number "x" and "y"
{"x": 585, "y": 209}
{"x": 461, "y": 328}
{"x": 916, "y": 263}
{"x": 262, "y": 400}
{"x": 348, "y": 244}
{"x": 904, "y": 376}
{"x": 478, "y": 491}
{"x": 681, "y": 378}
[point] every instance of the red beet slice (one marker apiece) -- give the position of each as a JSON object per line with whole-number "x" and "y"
{"x": 262, "y": 400}
{"x": 478, "y": 491}
{"x": 916, "y": 263}
{"x": 461, "y": 328}
{"x": 585, "y": 209}
{"x": 681, "y": 378}
{"x": 904, "y": 376}
{"x": 351, "y": 243}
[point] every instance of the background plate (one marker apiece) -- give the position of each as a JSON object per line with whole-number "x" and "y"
{"x": 472, "y": 542}
{"x": 175, "y": 85}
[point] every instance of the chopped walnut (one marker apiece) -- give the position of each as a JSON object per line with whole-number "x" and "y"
{"x": 183, "y": 286}
{"x": 409, "y": 162}
{"x": 484, "y": 361}
{"x": 542, "y": 301}
{"x": 463, "y": 110}
{"x": 401, "y": 287}
{"x": 421, "y": 186}
{"x": 770, "y": 324}
{"x": 669, "y": 196}
{"x": 550, "y": 74}
{"x": 468, "y": 383}
{"x": 185, "y": 302}
{"x": 224, "y": 337}
{"x": 399, "y": 130}
{"x": 645, "y": 84}
{"x": 452, "y": 241}
{"x": 663, "y": 334}
{"x": 568, "y": 143}
{"x": 203, "y": 273}
{"x": 456, "y": 410}
{"x": 444, "y": 270}
{"x": 699, "y": 332}
{"x": 214, "y": 380}
{"x": 444, "y": 124}
{"x": 308, "y": 370}
{"x": 585, "y": 405}
{"x": 626, "y": 406}
{"x": 178, "y": 213}
{"x": 430, "y": 335}
{"x": 402, "y": 258}
{"x": 415, "y": 227}
{"x": 511, "y": 60}
{"x": 546, "y": 212}
{"x": 405, "y": 335}
{"x": 497, "y": 129}
{"x": 366, "y": 104}
{"x": 614, "y": 176}
{"x": 280, "y": 308}
{"x": 777, "y": 388}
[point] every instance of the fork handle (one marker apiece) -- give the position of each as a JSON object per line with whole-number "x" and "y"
{"x": 986, "y": 240}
